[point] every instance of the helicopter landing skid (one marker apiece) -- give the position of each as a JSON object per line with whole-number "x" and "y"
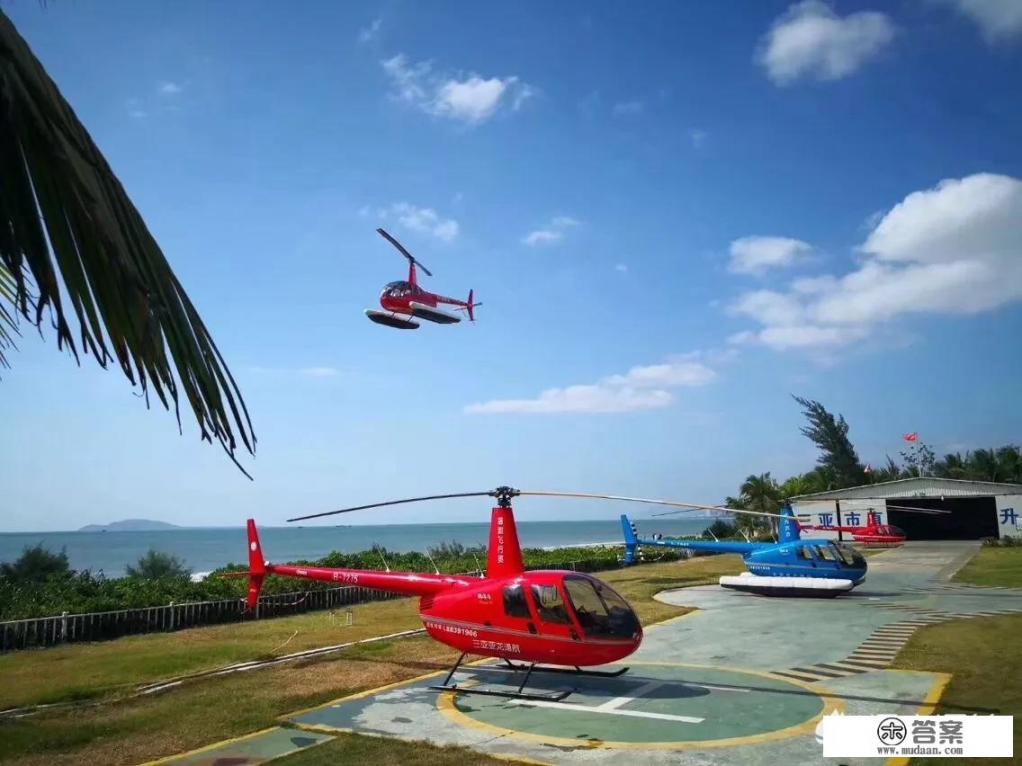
{"x": 521, "y": 694}
{"x": 577, "y": 671}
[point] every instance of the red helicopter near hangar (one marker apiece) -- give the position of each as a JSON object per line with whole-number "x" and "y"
{"x": 525, "y": 618}
{"x": 875, "y": 534}
{"x": 405, "y": 301}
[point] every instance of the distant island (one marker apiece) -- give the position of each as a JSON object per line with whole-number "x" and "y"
{"x": 129, "y": 525}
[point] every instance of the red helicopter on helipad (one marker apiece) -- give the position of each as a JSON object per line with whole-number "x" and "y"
{"x": 405, "y": 301}
{"x": 565, "y": 618}
{"x": 876, "y": 534}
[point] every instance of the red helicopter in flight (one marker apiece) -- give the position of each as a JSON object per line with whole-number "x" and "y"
{"x": 876, "y": 534}
{"x": 524, "y": 618}
{"x": 405, "y": 301}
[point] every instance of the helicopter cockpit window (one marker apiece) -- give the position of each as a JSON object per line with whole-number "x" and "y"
{"x": 550, "y": 605}
{"x": 850, "y": 556}
{"x": 623, "y": 621}
{"x": 397, "y": 289}
{"x": 826, "y": 553}
{"x": 514, "y": 602}
{"x": 592, "y": 614}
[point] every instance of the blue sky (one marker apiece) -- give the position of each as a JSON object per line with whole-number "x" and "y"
{"x": 676, "y": 215}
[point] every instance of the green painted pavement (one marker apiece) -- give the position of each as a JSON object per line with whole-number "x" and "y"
{"x": 649, "y": 705}
{"x": 260, "y": 747}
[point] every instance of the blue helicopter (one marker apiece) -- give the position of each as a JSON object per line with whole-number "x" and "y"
{"x": 790, "y": 567}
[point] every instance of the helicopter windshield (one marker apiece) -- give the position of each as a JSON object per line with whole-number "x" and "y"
{"x": 398, "y": 289}
{"x": 848, "y": 555}
{"x": 601, "y": 612}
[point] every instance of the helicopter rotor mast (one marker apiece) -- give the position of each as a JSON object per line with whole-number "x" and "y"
{"x": 412, "y": 263}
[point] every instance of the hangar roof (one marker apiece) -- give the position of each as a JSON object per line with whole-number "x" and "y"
{"x": 922, "y": 486}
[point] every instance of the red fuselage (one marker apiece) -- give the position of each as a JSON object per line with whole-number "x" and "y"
{"x": 873, "y": 535}
{"x": 557, "y": 617}
{"x": 397, "y": 297}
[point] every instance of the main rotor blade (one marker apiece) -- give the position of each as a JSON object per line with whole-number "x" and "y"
{"x": 394, "y": 502}
{"x": 913, "y": 509}
{"x": 401, "y": 249}
{"x": 648, "y": 501}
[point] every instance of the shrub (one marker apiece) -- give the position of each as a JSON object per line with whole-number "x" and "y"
{"x": 36, "y": 564}
{"x": 158, "y": 566}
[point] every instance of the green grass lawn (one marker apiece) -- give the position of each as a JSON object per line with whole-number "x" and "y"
{"x": 136, "y": 730}
{"x": 356, "y": 750}
{"x": 994, "y": 565}
{"x": 984, "y": 657}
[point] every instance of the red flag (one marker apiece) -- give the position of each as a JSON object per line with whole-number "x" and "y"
{"x": 912, "y": 437}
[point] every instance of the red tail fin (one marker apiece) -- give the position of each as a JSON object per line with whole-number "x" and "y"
{"x": 471, "y": 305}
{"x": 505, "y": 554}
{"x": 256, "y": 566}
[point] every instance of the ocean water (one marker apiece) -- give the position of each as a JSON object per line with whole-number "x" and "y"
{"x": 206, "y": 548}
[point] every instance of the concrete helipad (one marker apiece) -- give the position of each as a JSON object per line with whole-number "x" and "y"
{"x": 744, "y": 679}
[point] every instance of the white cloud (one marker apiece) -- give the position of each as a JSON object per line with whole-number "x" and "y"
{"x": 424, "y": 220}
{"x": 641, "y": 388}
{"x": 469, "y": 98}
{"x": 551, "y": 233}
{"x": 169, "y": 88}
{"x": 624, "y": 108}
{"x": 952, "y": 249}
{"x": 366, "y": 34}
{"x": 754, "y": 255}
{"x": 999, "y": 20}
{"x": 697, "y": 137}
{"x": 769, "y": 307}
{"x": 621, "y": 267}
{"x": 811, "y": 40}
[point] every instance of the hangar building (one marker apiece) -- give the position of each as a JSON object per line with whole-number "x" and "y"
{"x": 977, "y": 508}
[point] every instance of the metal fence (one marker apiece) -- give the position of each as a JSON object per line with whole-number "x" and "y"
{"x": 102, "y": 626}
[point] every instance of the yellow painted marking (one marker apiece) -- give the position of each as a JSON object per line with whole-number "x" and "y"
{"x": 831, "y": 703}
{"x": 929, "y": 703}
{"x": 207, "y": 748}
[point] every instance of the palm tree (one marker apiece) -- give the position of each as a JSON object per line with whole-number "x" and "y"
{"x": 1010, "y": 460}
{"x": 802, "y": 484}
{"x": 75, "y": 251}
{"x": 761, "y": 493}
{"x": 953, "y": 466}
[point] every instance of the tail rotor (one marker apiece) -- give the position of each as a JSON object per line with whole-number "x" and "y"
{"x": 471, "y": 304}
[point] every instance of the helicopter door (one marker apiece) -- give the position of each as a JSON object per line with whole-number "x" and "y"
{"x": 553, "y": 612}
{"x": 829, "y": 558}
{"x": 516, "y": 608}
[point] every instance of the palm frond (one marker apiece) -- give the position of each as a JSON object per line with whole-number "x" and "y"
{"x": 8, "y": 320}
{"x": 68, "y": 228}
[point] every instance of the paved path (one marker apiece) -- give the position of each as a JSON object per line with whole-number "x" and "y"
{"x": 745, "y": 679}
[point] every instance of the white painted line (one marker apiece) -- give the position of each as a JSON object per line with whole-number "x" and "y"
{"x": 717, "y": 688}
{"x": 587, "y": 709}
{"x": 617, "y": 702}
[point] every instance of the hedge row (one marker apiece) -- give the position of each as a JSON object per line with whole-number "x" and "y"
{"x": 81, "y": 592}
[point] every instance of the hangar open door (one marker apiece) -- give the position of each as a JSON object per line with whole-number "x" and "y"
{"x": 970, "y": 518}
